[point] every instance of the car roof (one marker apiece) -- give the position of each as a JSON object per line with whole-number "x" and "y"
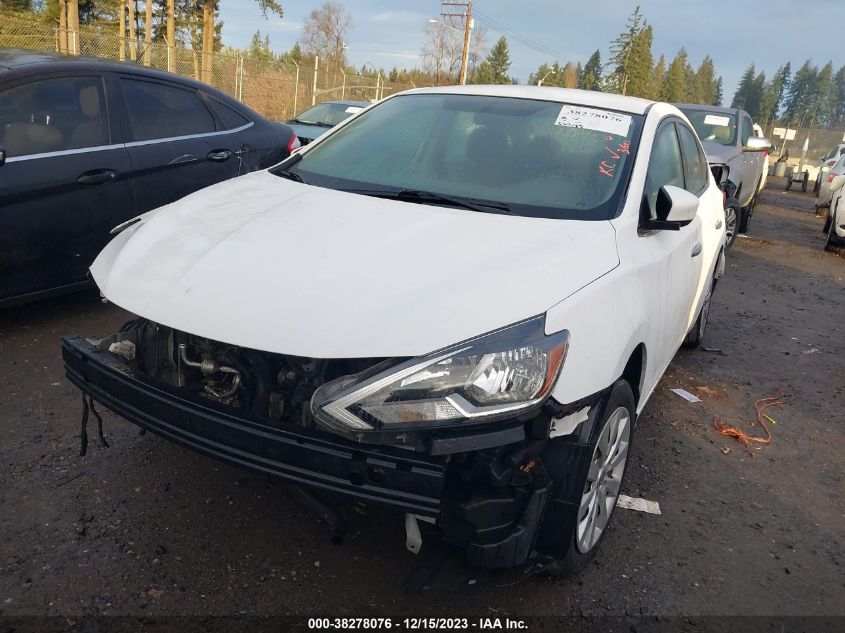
{"x": 708, "y": 108}
{"x": 21, "y": 62}
{"x": 632, "y": 105}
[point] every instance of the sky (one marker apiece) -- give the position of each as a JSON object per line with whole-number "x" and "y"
{"x": 733, "y": 32}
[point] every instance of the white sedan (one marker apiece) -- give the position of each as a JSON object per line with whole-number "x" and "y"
{"x": 834, "y": 226}
{"x": 455, "y": 304}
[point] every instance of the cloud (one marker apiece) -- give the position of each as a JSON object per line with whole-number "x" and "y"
{"x": 288, "y": 25}
{"x": 397, "y": 17}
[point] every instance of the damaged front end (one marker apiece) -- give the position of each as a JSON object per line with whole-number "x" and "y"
{"x": 486, "y": 484}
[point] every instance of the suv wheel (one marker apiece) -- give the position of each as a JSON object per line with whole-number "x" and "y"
{"x": 733, "y": 215}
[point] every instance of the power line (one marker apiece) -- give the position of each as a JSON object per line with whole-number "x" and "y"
{"x": 504, "y": 30}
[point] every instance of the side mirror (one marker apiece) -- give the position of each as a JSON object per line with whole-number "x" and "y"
{"x": 2, "y": 156}
{"x": 757, "y": 144}
{"x": 837, "y": 183}
{"x": 676, "y": 207}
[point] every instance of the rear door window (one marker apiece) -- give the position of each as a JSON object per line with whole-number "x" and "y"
{"x": 230, "y": 117}
{"x": 158, "y": 111}
{"x": 53, "y": 115}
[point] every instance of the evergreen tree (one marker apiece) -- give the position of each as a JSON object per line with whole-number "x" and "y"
{"x": 259, "y": 48}
{"x": 675, "y": 81}
{"x": 630, "y": 55}
{"x": 824, "y": 110}
{"x": 839, "y": 86}
{"x": 773, "y": 93}
{"x": 590, "y": 78}
{"x": 294, "y": 55}
{"x": 549, "y": 75}
{"x": 494, "y": 69}
{"x": 704, "y": 82}
{"x": 801, "y": 97}
{"x": 656, "y": 89}
{"x": 754, "y": 99}
{"x": 746, "y": 85}
{"x": 717, "y": 100}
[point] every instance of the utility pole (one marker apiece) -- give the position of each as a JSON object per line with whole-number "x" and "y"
{"x": 467, "y": 15}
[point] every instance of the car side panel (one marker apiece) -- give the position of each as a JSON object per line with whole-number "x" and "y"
{"x": 628, "y": 306}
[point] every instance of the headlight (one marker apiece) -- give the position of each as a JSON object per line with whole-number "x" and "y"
{"x": 493, "y": 376}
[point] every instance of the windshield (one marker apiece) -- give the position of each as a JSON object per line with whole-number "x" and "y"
{"x": 716, "y": 127}
{"x": 329, "y": 114}
{"x": 539, "y": 158}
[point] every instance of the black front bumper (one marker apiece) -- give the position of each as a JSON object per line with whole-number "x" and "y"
{"x": 401, "y": 479}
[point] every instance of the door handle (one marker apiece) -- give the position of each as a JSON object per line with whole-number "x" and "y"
{"x": 718, "y": 224}
{"x": 696, "y": 250}
{"x": 184, "y": 158}
{"x": 97, "y": 177}
{"x": 219, "y": 155}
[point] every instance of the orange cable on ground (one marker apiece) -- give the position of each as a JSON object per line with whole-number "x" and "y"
{"x": 741, "y": 436}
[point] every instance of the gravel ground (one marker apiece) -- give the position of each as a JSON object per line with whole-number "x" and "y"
{"x": 147, "y": 528}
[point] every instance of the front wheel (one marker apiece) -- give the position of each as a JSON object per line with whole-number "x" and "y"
{"x": 610, "y": 441}
{"x": 733, "y": 215}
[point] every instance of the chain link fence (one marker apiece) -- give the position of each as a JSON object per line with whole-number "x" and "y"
{"x": 273, "y": 88}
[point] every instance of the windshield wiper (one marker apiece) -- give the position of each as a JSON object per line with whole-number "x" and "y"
{"x": 320, "y": 123}
{"x": 283, "y": 168}
{"x": 418, "y": 195}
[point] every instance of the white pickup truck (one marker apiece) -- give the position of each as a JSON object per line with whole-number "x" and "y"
{"x": 736, "y": 156}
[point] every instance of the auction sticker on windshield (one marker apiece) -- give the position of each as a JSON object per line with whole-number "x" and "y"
{"x": 593, "y": 119}
{"x": 715, "y": 119}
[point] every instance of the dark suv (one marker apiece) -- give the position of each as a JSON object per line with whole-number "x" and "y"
{"x": 86, "y": 144}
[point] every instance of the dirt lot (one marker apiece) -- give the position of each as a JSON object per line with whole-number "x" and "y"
{"x": 145, "y": 527}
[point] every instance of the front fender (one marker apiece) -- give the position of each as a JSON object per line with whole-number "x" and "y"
{"x": 605, "y": 323}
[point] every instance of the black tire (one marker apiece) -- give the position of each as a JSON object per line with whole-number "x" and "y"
{"x": 733, "y": 220}
{"x": 747, "y": 213}
{"x": 696, "y": 334}
{"x": 830, "y": 244}
{"x": 827, "y": 224}
{"x": 576, "y": 559}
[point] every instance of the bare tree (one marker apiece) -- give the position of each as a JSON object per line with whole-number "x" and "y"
{"x": 62, "y": 26}
{"x": 133, "y": 42}
{"x": 441, "y": 53}
{"x": 148, "y": 33}
{"x": 477, "y": 49}
{"x": 208, "y": 9}
{"x": 171, "y": 35}
{"x": 324, "y": 33}
{"x": 122, "y": 29}
{"x": 73, "y": 26}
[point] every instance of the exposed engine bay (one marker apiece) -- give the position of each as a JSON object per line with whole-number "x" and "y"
{"x": 269, "y": 385}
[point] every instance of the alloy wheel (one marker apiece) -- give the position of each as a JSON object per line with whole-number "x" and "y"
{"x": 731, "y": 222}
{"x": 604, "y": 479}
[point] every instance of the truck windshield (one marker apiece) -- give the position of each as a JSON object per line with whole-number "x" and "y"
{"x": 716, "y": 127}
{"x": 528, "y": 157}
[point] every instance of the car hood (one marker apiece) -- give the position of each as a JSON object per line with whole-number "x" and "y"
{"x": 717, "y": 153}
{"x": 270, "y": 264}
